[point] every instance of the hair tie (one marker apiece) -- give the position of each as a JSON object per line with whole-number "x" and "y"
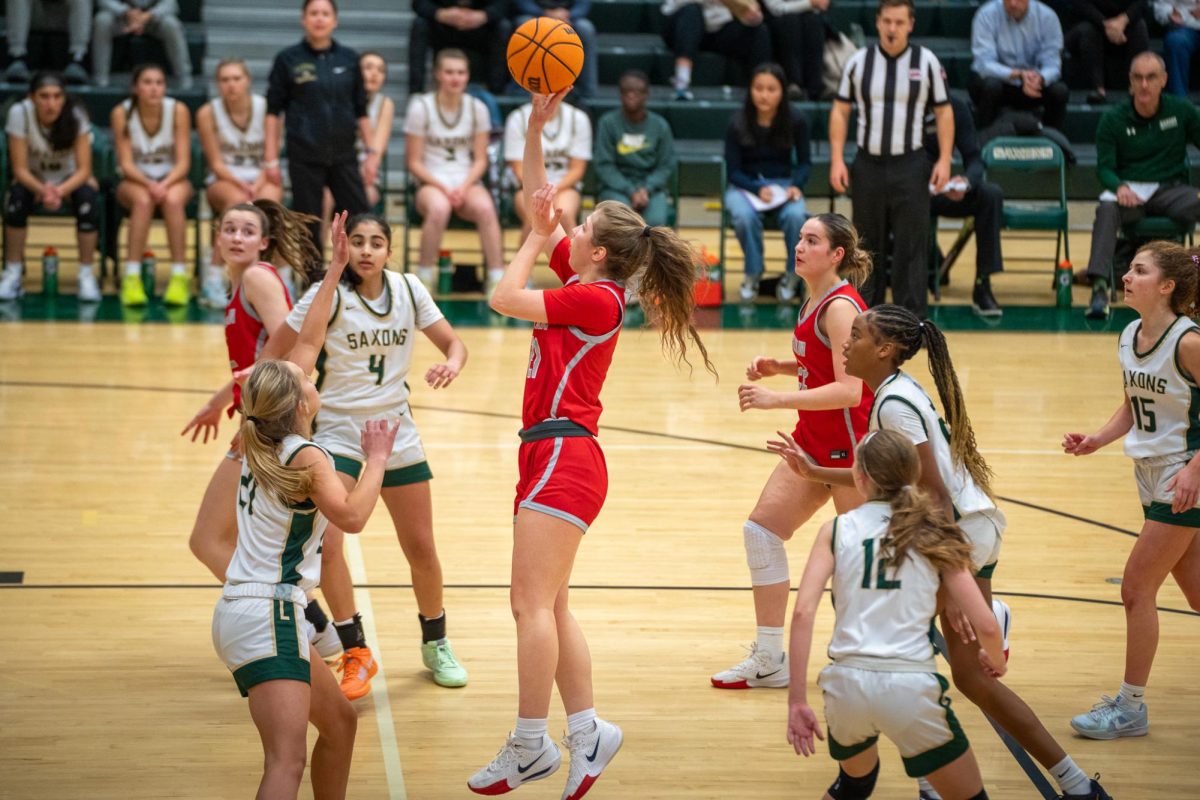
{"x": 921, "y": 325}
{"x": 1196, "y": 260}
{"x": 254, "y": 419}
{"x": 646, "y": 232}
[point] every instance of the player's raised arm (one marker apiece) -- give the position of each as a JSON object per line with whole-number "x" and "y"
{"x": 312, "y": 333}
{"x": 533, "y": 167}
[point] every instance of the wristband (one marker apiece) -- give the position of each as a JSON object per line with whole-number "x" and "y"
{"x": 271, "y": 164}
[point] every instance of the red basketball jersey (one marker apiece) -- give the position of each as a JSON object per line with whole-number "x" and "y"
{"x": 244, "y": 332}
{"x": 828, "y": 436}
{"x": 570, "y": 353}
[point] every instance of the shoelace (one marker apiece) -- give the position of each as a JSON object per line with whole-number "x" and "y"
{"x": 1108, "y": 706}
{"x": 351, "y": 664}
{"x": 445, "y": 656}
{"x": 506, "y": 755}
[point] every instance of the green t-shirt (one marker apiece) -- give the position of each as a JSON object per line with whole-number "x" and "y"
{"x": 630, "y": 156}
{"x": 1130, "y": 147}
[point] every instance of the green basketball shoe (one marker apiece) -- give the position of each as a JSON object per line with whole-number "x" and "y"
{"x": 439, "y": 658}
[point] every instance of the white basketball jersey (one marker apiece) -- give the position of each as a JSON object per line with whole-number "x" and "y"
{"x": 153, "y": 155}
{"x": 568, "y": 135}
{"x": 373, "y": 109}
{"x": 277, "y": 542}
{"x": 46, "y": 163}
{"x": 902, "y": 405}
{"x": 241, "y": 148}
{"x": 883, "y": 610}
{"x": 449, "y": 141}
{"x": 369, "y": 344}
{"x": 1164, "y": 399}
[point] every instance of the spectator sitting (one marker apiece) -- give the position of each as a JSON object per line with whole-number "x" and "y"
{"x": 1141, "y": 160}
{"x": 50, "y": 148}
{"x": 447, "y": 133}
{"x": 479, "y": 26}
{"x": 1105, "y": 32}
{"x": 566, "y": 148}
{"x": 798, "y": 36}
{"x": 232, "y": 129}
{"x": 767, "y": 158}
{"x": 574, "y": 12}
{"x": 635, "y": 152}
{"x": 155, "y": 18}
{"x": 1182, "y": 21}
{"x": 152, "y": 134}
{"x": 972, "y": 197}
{"x": 74, "y": 17}
{"x": 694, "y": 25}
{"x": 1017, "y": 48}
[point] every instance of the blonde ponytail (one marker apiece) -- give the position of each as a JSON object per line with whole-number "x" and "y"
{"x": 271, "y": 401}
{"x": 890, "y": 461}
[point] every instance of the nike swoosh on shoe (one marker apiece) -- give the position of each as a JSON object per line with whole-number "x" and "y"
{"x": 523, "y": 769}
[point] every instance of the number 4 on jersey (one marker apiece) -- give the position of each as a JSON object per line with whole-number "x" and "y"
{"x": 376, "y": 365}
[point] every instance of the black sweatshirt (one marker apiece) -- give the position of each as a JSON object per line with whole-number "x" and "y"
{"x": 322, "y": 94}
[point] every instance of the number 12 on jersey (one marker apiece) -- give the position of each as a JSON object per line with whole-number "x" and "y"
{"x": 881, "y": 581}
{"x": 1143, "y": 413}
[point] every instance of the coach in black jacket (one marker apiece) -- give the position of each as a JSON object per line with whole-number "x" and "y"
{"x": 981, "y": 200}
{"x": 318, "y": 87}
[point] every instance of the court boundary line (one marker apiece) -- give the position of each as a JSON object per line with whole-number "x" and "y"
{"x": 498, "y": 415}
{"x": 384, "y": 723}
{"x": 504, "y": 586}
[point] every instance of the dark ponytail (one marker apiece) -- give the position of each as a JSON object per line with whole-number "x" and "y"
{"x": 65, "y": 129}
{"x": 902, "y": 327}
{"x": 291, "y": 241}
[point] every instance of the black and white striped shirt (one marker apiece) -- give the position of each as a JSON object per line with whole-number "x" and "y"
{"x": 892, "y": 95}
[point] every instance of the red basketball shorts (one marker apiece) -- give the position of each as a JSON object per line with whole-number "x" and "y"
{"x": 565, "y": 477}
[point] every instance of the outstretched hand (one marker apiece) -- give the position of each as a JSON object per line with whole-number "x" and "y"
{"x": 207, "y": 420}
{"x": 1079, "y": 444}
{"x": 797, "y": 460}
{"x": 543, "y": 216}
{"x": 545, "y": 106}
{"x": 378, "y": 437}
{"x": 341, "y": 247}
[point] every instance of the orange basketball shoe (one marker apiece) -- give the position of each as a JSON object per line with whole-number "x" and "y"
{"x": 358, "y": 667}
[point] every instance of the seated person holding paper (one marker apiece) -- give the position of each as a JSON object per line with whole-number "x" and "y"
{"x": 1141, "y": 159}
{"x": 966, "y": 194}
{"x": 767, "y": 160}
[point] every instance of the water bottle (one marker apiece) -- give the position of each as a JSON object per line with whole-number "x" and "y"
{"x": 1062, "y": 284}
{"x": 445, "y": 284}
{"x": 148, "y": 272}
{"x": 50, "y": 272}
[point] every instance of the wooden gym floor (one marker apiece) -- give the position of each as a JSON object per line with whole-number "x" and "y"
{"x": 109, "y": 687}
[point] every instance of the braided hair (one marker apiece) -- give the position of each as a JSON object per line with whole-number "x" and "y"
{"x": 909, "y": 333}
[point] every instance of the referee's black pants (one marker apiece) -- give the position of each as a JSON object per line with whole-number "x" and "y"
{"x": 308, "y": 187}
{"x": 891, "y": 196}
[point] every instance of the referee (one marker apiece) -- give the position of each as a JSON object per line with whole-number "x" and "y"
{"x": 892, "y": 83}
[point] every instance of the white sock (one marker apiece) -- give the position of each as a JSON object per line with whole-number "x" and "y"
{"x": 927, "y": 787}
{"x": 426, "y": 275}
{"x": 771, "y": 640}
{"x": 133, "y": 268}
{"x": 1132, "y": 695}
{"x": 531, "y": 732}
{"x": 581, "y": 721}
{"x": 495, "y": 274}
{"x": 214, "y": 273}
{"x": 178, "y": 268}
{"x": 85, "y": 269}
{"x": 683, "y": 76}
{"x": 13, "y": 266}
{"x": 1070, "y": 777}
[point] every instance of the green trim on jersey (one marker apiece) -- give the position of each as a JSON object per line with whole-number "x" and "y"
{"x": 320, "y": 367}
{"x": 1192, "y": 437}
{"x": 1148, "y": 353}
{"x": 908, "y": 403}
{"x": 300, "y": 530}
{"x": 387, "y": 291}
{"x": 287, "y": 663}
{"x": 987, "y": 572}
{"x": 932, "y": 760}
{"x": 840, "y": 752}
{"x": 875, "y": 396}
{"x": 400, "y": 476}
{"x": 1161, "y": 512}
{"x": 833, "y": 537}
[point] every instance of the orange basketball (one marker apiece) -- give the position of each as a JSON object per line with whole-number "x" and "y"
{"x": 545, "y": 55}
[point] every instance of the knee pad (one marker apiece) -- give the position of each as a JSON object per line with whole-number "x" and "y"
{"x": 87, "y": 212}
{"x": 19, "y": 206}
{"x": 847, "y": 787}
{"x": 765, "y": 555}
